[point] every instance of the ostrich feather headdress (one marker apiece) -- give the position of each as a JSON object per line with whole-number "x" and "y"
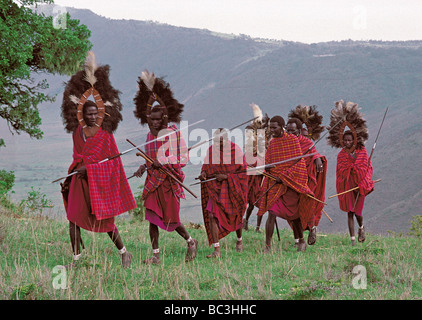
{"x": 93, "y": 81}
{"x": 352, "y": 118}
{"x": 152, "y": 89}
{"x": 311, "y": 118}
{"x": 260, "y": 124}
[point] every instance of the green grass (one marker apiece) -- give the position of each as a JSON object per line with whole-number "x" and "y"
{"x": 31, "y": 247}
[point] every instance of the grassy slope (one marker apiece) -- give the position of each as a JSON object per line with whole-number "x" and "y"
{"x": 30, "y": 247}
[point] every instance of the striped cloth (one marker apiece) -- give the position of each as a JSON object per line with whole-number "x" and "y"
{"x": 109, "y": 189}
{"x": 351, "y": 173}
{"x": 311, "y": 210}
{"x": 229, "y": 197}
{"x": 292, "y": 173}
{"x": 171, "y": 152}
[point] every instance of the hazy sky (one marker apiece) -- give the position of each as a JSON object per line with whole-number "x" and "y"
{"x": 295, "y": 20}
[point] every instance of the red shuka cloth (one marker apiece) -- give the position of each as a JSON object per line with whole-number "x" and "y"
{"x": 226, "y": 199}
{"x": 106, "y": 194}
{"x": 293, "y": 173}
{"x": 254, "y": 180}
{"x": 161, "y": 193}
{"x": 311, "y": 210}
{"x": 351, "y": 173}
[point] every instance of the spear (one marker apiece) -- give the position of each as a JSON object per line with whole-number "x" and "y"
{"x": 270, "y": 165}
{"x": 372, "y": 152}
{"x": 201, "y": 143}
{"x": 355, "y": 188}
{"x": 131, "y": 149}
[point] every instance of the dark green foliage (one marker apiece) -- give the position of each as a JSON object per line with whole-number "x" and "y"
{"x": 30, "y": 43}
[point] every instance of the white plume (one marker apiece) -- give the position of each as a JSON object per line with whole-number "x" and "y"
{"x": 74, "y": 99}
{"x": 148, "y": 79}
{"x": 257, "y": 112}
{"x": 90, "y": 68}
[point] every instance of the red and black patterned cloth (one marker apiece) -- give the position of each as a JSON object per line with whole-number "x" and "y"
{"x": 350, "y": 173}
{"x": 228, "y": 197}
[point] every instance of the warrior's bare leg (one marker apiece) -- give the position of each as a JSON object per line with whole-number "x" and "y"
{"x": 214, "y": 237}
{"x": 75, "y": 238}
{"x": 351, "y": 225}
{"x": 117, "y": 240}
{"x": 248, "y": 214}
{"x": 297, "y": 227}
{"x": 258, "y": 223}
{"x": 192, "y": 243}
{"x": 269, "y": 230}
{"x": 154, "y": 234}
{"x": 361, "y": 231}
{"x": 239, "y": 242}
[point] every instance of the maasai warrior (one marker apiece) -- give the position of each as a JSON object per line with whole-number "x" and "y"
{"x": 223, "y": 199}
{"x": 256, "y": 136}
{"x": 311, "y": 210}
{"x": 282, "y": 198}
{"x": 99, "y": 191}
{"x": 353, "y": 166}
{"x": 161, "y": 193}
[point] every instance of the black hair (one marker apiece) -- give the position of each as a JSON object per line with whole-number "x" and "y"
{"x": 296, "y": 121}
{"x": 279, "y": 120}
{"x": 89, "y": 103}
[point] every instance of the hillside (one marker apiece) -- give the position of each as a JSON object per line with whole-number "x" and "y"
{"x": 217, "y": 76}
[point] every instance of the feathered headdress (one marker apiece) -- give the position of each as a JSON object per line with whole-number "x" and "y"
{"x": 93, "y": 80}
{"x": 151, "y": 89}
{"x": 260, "y": 124}
{"x": 311, "y": 118}
{"x": 353, "y": 119}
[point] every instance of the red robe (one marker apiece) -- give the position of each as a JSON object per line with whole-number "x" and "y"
{"x": 161, "y": 193}
{"x": 284, "y": 199}
{"x": 92, "y": 204}
{"x": 227, "y": 199}
{"x": 254, "y": 180}
{"x": 351, "y": 173}
{"x": 311, "y": 210}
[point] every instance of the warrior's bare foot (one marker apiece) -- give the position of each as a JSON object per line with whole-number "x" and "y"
{"x": 126, "y": 259}
{"x": 312, "y": 236}
{"x": 301, "y": 245}
{"x": 192, "y": 250}
{"x": 71, "y": 265}
{"x": 152, "y": 260}
{"x": 267, "y": 249}
{"x": 215, "y": 254}
{"x": 361, "y": 234}
{"x": 239, "y": 246}
{"x": 245, "y": 224}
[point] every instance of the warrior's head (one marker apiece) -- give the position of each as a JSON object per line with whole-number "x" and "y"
{"x": 294, "y": 126}
{"x": 277, "y": 126}
{"x": 221, "y": 138}
{"x": 90, "y": 113}
{"x": 348, "y": 139}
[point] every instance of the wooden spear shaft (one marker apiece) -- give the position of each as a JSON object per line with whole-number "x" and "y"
{"x": 270, "y": 176}
{"x": 355, "y": 188}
